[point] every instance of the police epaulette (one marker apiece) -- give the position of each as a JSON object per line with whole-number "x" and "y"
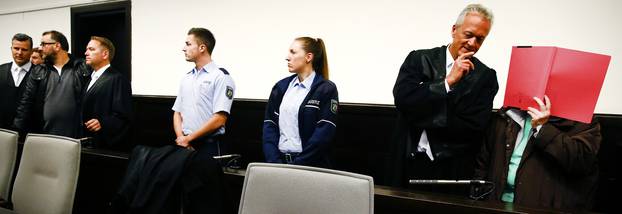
{"x": 224, "y": 71}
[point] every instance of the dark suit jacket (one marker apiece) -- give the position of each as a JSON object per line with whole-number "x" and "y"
{"x": 559, "y": 165}
{"x": 454, "y": 121}
{"x": 9, "y": 95}
{"x": 109, "y": 100}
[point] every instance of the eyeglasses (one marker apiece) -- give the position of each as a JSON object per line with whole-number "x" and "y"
{"x": 46, "y": 43}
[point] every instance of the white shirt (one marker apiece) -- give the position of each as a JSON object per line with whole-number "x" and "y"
{"x": 289, "y": 140}
{"x": 18, "y": 72}
{"x": 424, "y": 143}
{"x": 96, "y": 74}
{"x": 519, "y": 117}
{"x": 203, "y": 93}
{"x": 59, "y": 70}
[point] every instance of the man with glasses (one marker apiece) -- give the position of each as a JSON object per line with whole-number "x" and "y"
{"x": 51, "y": 99}
{"x": 12, "y": 75}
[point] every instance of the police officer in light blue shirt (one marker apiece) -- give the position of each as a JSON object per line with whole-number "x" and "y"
{"x": 205, "y": 97}
{"x": 301, "y": 115}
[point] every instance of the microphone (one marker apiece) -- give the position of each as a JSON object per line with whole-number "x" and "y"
{"x": 232, "y": 161}
{"x": 428, "y": 182}
{"x": 227, "y": 156}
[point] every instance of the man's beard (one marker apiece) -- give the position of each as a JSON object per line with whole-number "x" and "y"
{"x": 49, "y": 59}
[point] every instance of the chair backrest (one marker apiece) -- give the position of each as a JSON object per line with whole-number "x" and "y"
{"x": 8, "y": 154}
{"x": 281, "y": 188}
{"x": 47, "y": 175}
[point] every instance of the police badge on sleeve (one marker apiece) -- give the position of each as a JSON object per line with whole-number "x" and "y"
{"x": 229, "y": 92}
{"x": 334, "y": 105}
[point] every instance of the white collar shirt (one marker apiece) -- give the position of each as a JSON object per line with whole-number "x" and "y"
{"x": 203, "y": 93}
{"x": 19, "y": 72}
{"x": 96, "y": 74}
{"x": 289, "y": 140}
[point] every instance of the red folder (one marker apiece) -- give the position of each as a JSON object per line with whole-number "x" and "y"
{"x": 571, "y": 79}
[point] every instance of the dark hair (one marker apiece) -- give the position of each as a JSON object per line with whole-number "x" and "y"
{"x": 58, "y": 37}
{"x": 205, "y": 37}
{"x": 36, "y": 50}
{"x": 106, "y": 43}
{"x": 316, "y": 47}
{"x": 22, "y": 38}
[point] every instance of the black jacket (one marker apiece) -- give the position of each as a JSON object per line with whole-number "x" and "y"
{"x": 150, "y": 184}
{"x": 9, "y": 95}
{"x": 109, "y": 101}
{"x": 559, "y": 165}
{"x": 29, "y": 116}
{"x": 161, "y": 180}
{"x": 454, "y": 121}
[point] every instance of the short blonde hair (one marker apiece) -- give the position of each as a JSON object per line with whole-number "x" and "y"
{"x": 106, "y": 43}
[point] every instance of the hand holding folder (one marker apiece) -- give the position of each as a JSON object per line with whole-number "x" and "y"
{"x": 571, "y": 79}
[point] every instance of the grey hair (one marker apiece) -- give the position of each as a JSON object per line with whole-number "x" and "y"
{"x": 475, "y": 8}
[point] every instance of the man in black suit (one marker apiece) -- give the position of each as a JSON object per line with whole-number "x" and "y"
{"x": 11, "y": 76}
{"x": 444, "y": 99}
{"x": 106, "y": 105}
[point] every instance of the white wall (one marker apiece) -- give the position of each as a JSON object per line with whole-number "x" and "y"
{"x": 33, "y": 17}
{"x": 366, "y": 40}
{"x": 32, "y": 23}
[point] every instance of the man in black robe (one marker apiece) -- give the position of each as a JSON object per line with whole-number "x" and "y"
{"x": 106, "y": 105}
{"x": 444, "y": 99}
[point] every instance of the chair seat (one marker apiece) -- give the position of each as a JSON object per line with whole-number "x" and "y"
{"x": 47, "y": 176}
{"x": 8, "y": 155}
{"x": 280, "y": 188}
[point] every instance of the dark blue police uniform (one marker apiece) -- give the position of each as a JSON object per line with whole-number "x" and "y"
{"x": 317, "y": 122}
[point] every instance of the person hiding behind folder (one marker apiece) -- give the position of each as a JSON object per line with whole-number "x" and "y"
{"x": 538, "y": 160}
{"x": 301, "y": 115}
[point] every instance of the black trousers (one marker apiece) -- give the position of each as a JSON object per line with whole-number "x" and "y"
{"x": 204, "y": 187}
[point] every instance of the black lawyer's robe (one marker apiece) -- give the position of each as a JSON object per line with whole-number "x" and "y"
{"x": 454, "y": 121}
{"x": 109, "y": 100}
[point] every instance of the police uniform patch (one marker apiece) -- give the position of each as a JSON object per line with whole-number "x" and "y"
{"x": 334, "y": 105}
{"x": 229, "y": 92}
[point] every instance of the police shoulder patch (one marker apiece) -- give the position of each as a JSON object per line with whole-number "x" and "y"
{"x": 334, "y": 105}
{"x": 224, "y": 71}
{"x": 229, "y": 92}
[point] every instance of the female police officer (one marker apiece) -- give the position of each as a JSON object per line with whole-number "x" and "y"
{"x": 300, "y": 119}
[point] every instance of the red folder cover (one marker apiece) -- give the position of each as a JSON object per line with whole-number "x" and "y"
{"x": 571, "y": 79}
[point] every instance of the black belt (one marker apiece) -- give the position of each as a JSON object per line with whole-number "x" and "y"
{"x": 289, "y": 157}
{"x": 205, "y": 140}
{"x": 209, "y": 138}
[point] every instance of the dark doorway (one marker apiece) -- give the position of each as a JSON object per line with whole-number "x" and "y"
{"x": 112, "y": 21}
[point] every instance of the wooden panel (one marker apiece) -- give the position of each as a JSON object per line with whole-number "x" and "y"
{"x": 362, "y": 141}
